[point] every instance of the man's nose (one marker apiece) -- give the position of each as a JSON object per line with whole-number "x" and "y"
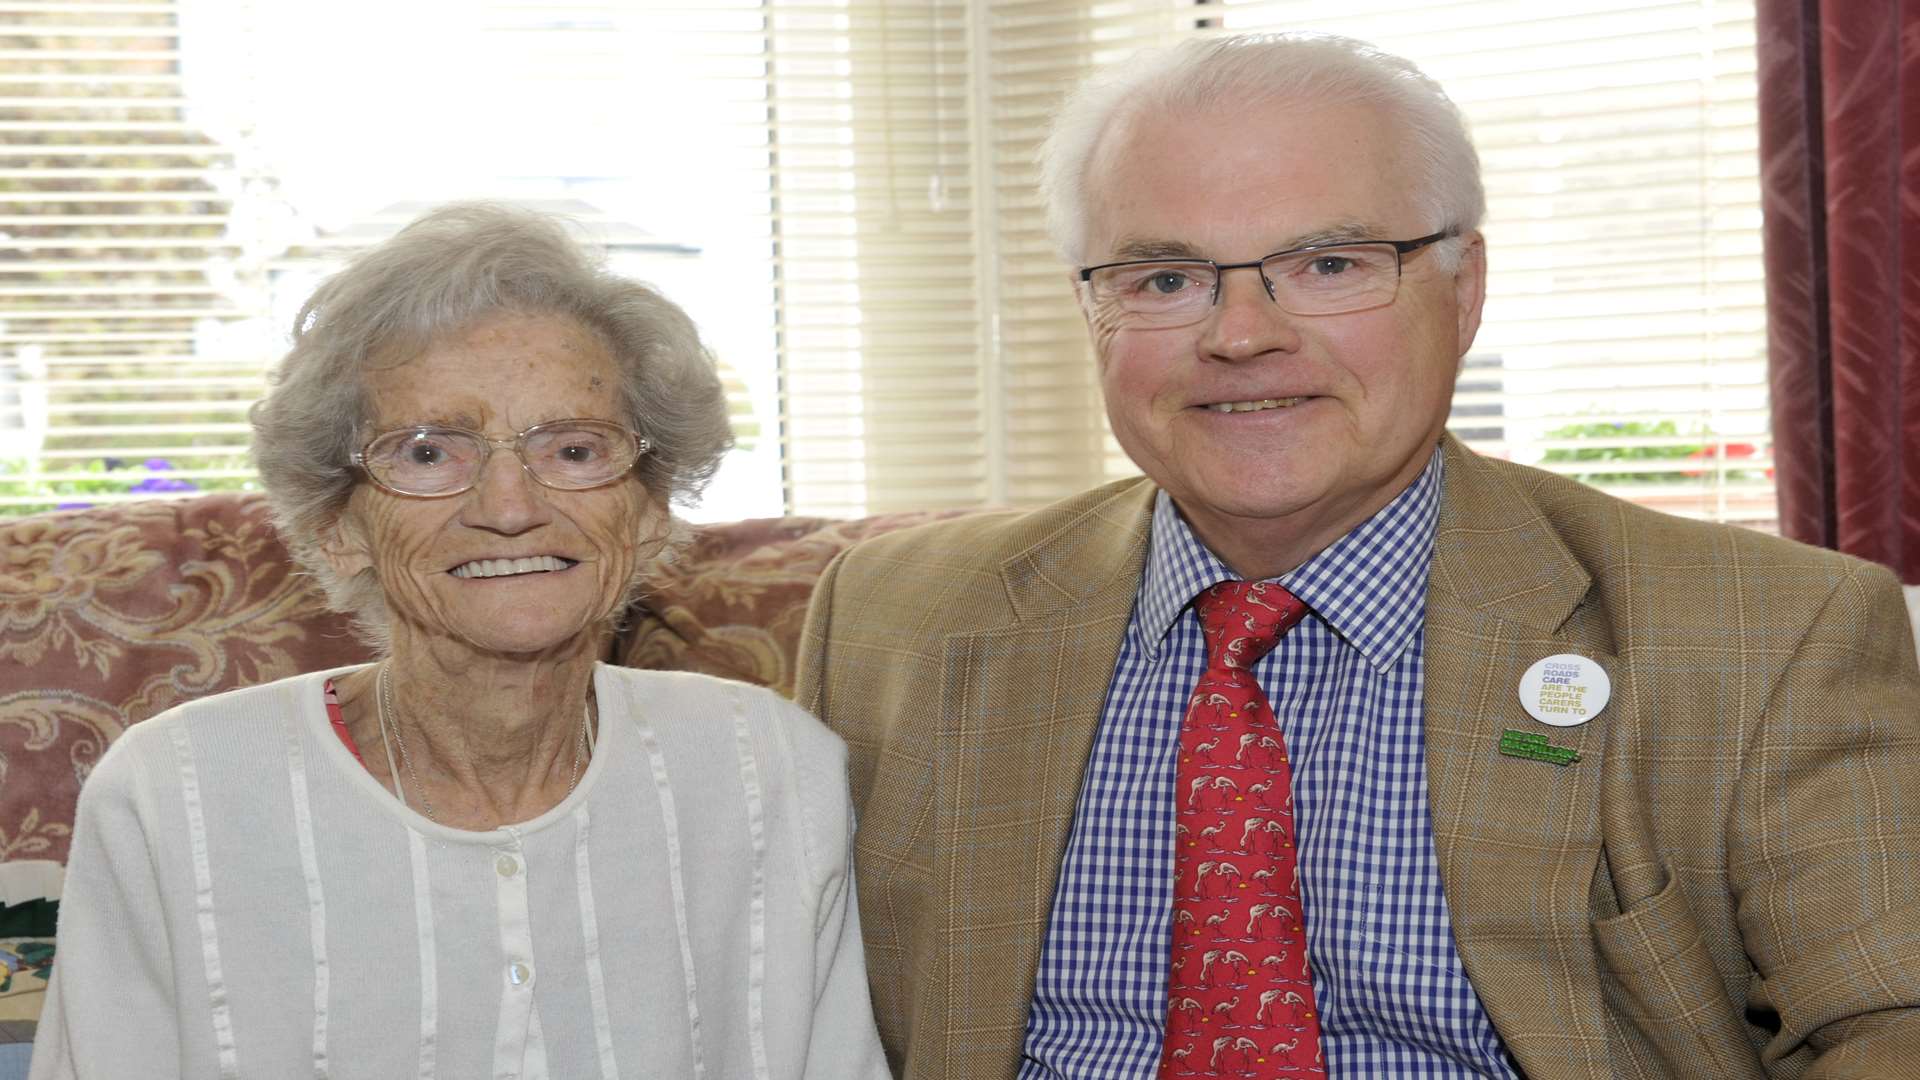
{"x": 1245, "y": 322}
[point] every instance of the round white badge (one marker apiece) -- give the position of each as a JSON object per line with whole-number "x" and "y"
{"x": 1565, "y": 690}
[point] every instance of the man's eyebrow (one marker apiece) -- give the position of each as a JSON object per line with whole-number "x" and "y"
{"x": 1346, "y": 232}
{"x": 1130, "y": 248}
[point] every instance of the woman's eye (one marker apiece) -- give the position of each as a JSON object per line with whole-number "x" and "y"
{"x": 423, "y": 453}
{"x": 578, "y": 453}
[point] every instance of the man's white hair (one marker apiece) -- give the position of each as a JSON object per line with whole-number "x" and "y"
{"x": 1237, "y": 71}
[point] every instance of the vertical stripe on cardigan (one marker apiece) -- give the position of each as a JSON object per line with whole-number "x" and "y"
{"x": 757, "y": 906}
{"x": 590, "y": 946}
{"x": 223, "y": 1038}
{"x": 316, "y": 897}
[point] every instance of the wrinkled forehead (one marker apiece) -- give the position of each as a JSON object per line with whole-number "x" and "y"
{"x": 1240, "y": 179}
{"x": 501, "y": 374}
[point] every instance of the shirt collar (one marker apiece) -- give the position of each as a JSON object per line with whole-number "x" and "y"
{"x": 1369, "y": 586}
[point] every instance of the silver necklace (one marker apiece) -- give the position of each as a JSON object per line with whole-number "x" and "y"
{"x": 389, "y": 719}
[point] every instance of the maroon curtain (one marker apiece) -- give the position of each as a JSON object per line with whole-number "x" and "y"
{"x": 1840, "y": 187}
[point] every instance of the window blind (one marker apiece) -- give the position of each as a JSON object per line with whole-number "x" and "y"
{"x": 1624, "y": 333}
{"x": 170, "y": 191}
{"x": 901, "y": 334}
{"x": 1624, "y": 341}
{"x": 119, "y": 264}
{"x": 932, "y": 350}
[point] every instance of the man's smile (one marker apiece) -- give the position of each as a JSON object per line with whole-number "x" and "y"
{"x": 1257, "y": 405}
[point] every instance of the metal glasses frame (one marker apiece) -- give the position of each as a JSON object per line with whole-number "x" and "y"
{"x": 1401, "y": 249}
{"x": 517, "y": 443}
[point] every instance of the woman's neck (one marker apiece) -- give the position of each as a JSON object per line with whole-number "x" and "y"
{"x": 481, "y": 740}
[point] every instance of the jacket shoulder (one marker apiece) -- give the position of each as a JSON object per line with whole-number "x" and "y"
{"x": 983, "y": 541}
{"x": 1659, "y": 579}
{"x": 1587, "y": 518}
{"x": 904, "y": 592}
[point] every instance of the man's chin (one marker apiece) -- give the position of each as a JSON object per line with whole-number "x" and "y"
{"x": 1250, "y": 507}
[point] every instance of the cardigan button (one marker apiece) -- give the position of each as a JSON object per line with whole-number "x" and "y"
{"x": 507, "y": 865}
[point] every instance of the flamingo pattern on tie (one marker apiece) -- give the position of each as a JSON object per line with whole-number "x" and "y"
{"x": 1240, "y": 993}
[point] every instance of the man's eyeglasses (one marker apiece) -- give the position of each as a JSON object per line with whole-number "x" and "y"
{"x": 569, "y": 455}
{"x": 1319, "y": 279}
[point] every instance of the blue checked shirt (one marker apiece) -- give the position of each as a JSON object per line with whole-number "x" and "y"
{"x": 1346, "y": 685}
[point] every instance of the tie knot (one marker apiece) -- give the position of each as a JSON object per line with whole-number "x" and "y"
{"x": 1243, "y": 620}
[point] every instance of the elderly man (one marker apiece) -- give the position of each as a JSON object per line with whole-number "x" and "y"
{"x": 1330, "y": 747}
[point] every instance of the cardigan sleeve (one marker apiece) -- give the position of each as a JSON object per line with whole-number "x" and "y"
{"x": 110, "y": 1008}
{"x": 844, "y": 1042}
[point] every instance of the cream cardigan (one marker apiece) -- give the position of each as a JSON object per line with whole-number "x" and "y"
{"x": 244, "y": 900}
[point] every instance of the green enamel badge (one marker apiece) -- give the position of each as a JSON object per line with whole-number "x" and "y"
{"x": 1534, "y": 747}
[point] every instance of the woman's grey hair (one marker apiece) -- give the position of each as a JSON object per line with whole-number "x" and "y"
{"x": 450, "y": 269}
{"x": 1252, "y": 68}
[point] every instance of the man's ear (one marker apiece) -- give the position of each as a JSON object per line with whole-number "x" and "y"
{"x": 1470, "y": 288}
{"x": 343, "y": 543}
{"x": 1079, "y": 294}
{"x": 1097, "y": 333}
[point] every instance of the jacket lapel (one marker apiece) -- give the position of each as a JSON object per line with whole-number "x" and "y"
{"x": 1518, "y": 840}
{"x": 1021, "y": 705}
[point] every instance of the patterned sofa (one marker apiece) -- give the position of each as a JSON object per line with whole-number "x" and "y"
{"x": 113, "y": 614}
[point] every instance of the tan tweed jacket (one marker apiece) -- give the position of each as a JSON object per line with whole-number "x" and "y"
{"x": 1725, "y": 885}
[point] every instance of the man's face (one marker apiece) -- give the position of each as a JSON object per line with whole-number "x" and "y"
{"x": 1362, "y": 396}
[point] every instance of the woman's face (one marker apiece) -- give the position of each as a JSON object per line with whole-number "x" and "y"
{"x": 502, "y": 376}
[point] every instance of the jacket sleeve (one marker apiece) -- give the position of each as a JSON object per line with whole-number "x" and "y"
{"x": 810, "y": 667}
{"x": 1824, "y": 851}
{"x": 110, "y": 1009}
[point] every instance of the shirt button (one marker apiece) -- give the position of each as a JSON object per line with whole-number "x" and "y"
{"x": 507, "y": 865}
{"x": 519, "y": 973}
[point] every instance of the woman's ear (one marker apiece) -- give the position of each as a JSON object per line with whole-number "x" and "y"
{"x": 343, "y": 543}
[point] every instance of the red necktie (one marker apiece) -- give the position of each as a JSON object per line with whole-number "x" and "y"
{"x": 1241, "y": 999}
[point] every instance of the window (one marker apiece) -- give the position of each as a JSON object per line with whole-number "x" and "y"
{"x": 842, "y": 193}
{"x": 1624, "y": 337}
{"x": 1624, "y": 340}
{"x": 179, "y": 174}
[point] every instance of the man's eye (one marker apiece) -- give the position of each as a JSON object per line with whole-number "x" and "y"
{"x": 1329, "y": 265}
{"x": 1168, "y": 282}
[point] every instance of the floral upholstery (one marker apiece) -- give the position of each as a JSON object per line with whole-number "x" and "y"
{"x": 111, "y": 615}
{"x": 732, "y": 604}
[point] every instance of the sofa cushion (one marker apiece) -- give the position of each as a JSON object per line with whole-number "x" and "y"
{"x": 733, "y": 603}
{"x": 113, "y": 614}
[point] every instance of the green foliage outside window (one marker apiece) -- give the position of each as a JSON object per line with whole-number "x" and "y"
{"x": 110, "y": 476}
{"x": 1694, "y": 458}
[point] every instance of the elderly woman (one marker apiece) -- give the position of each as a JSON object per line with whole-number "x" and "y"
{"x": 488, "y": 854}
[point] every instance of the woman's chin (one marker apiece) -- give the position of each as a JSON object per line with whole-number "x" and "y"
{"x": 520, "y": 639}
{"x": 529, "y": 643}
